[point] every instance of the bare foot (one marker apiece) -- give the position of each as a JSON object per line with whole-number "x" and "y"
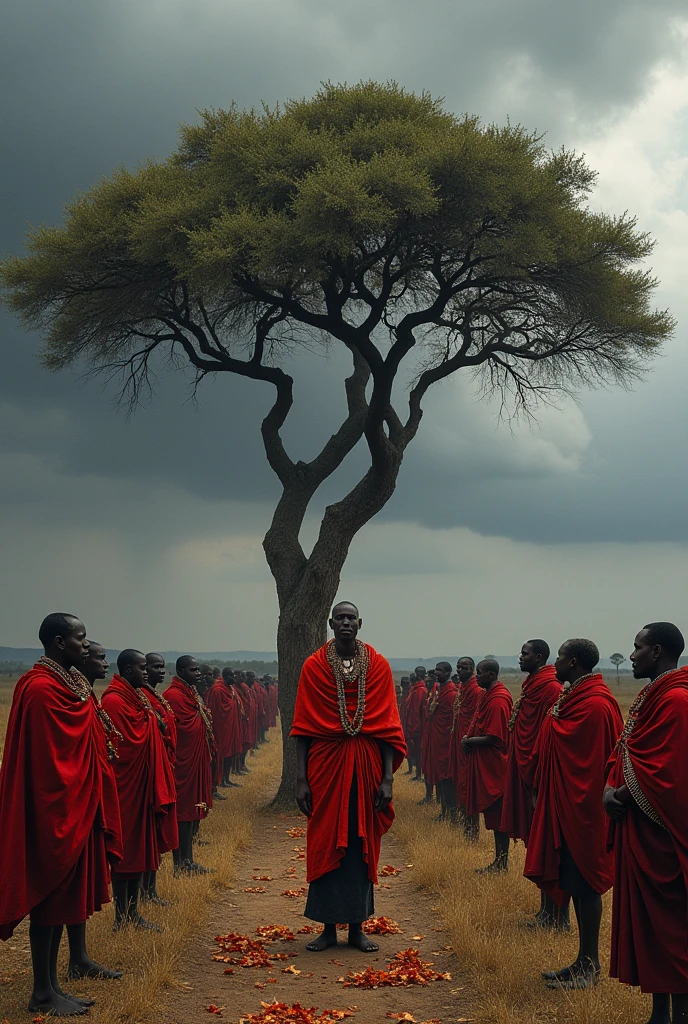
{"x": 359, "y": 939}
{"x": 323, "y": 941}
{"x": 56, "y": 1006}
{"x": 89, "y": 969}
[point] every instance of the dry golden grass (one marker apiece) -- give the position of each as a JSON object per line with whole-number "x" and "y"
{"x": 482, "y": 914}
{"x": 151, "y": 962}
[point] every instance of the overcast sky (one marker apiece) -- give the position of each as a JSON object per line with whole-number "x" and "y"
{"x": 150, "y": 528}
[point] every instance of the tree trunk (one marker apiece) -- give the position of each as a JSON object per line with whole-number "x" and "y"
{"x": 298, "y": 636}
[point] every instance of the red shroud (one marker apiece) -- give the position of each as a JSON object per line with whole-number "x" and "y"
{"x": 223, "y": 704}
{"x": 334, "y": 756}
{"x": 571, "y": 755}
{"x": 250, "y": 723}
{"x": 192, "y": 770}
{"x": 470, "y": 694}
{"x": 650, "y": 909}
{"x": 414, "y": 717}
{"x": 424, "y": 747}
{"x": 272, "y": 705}
{"x": 538, "y": 693}
{"x": 440, "y": 722}
{"x": 59, "y": 814}
{"x": 170, "y": 735}
{"x": 261, "y": 704}
{"x": 145, "y": 780}
{"x": 486, "y": 766}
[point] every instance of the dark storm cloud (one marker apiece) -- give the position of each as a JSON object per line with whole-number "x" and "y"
{"x": 87, "y": 86}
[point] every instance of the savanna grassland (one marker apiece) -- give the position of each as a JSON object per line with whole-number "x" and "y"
{"x": 499, "y": 962}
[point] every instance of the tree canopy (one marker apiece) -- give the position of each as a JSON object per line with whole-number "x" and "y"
{"x": 369, "y": 217}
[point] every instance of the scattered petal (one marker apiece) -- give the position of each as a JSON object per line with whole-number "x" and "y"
{"x": 387, "y": 869}
{"x": 215, "y": 1009}
{"x": 291, "y": 970}
{"x": 256, "y": 888}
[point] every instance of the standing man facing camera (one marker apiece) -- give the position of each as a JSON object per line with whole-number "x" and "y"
{"x": 349, "y": 743}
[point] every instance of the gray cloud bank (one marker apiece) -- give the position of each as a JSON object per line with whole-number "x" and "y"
{"x": 85, "y": 87}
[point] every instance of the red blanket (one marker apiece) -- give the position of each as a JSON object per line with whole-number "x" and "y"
{"x": 486, "y": 766}
{"x": 571, "y": 755}
{"x": 222, "y": 701}
{"x": 415, "y": 717}
{"x": 469, "y": 693}
{"x": 58, "y": 801}
{"x": 145, "y": 780}
{"x": 424, "y": 744}
{"x": 650, "y": 909}
{"x": 163, "y": 707}
{"x": 440, "y": 722}
{"x": 192, "y": 769}
{"x": 538, "y": 694}
{"x": 248, "y": 718}
{"x": 334, "y": 756}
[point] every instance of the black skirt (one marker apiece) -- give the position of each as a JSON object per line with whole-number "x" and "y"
{"x": 344, "y": 895}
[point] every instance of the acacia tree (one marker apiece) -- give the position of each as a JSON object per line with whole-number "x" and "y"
{"x": 366, "y": 217}
{"x": 617, "y": 660}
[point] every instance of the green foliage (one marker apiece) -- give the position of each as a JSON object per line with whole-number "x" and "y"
{"x": 362, "y": 205}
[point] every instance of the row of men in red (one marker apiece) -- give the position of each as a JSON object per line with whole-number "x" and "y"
{"x": 88, "y": 792}
{"x": 243, "y": 709}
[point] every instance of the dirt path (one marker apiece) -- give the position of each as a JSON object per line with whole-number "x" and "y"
{"x": 272, "y": 853}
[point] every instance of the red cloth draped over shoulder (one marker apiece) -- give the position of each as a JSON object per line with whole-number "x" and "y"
{"x": 439, "y": 734}
{"x": 414, "y": 717}
{"x": 272, "y": 705}
{"x": 244, "y": 695}
{"x": 59, "y": 812}
{"x": 170, "y": 735}
{"x": 486, "y": 766}
{"x": 468, "y": 695}
{"x": 571, "y": 755}
{"x": 334, "y": 756}
{"x": 650, "y": 909}
{"x": 145, "y": 780}
{"x": 538, "y": 693}
{"x": 223, "y": 704}
{"x": 261, "y": 704}
{"x": 192, "y": 770}
{"x": 424, "y": 745}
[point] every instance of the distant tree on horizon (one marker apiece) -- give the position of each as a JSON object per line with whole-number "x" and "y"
{"x": 369, "y": 219}
{"x": 617, "y": 660}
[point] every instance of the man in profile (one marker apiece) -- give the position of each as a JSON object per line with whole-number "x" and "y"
{"x": 465, "y": 704}
{"x": 538, "y": 693}
{"x": 485, "y": 747}
{"x": 647, "y": 801}
{"x": 349, "y": 743}
{"x": 567, "y": 852}
{"x": 145, "y": 784}
{"x": 441, "y": 717}
{"x": 58, "y": 838}
{"x": 193, "y": 766}
{"x": 156, "y": 670}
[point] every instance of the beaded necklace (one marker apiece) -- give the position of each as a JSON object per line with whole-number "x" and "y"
{"x": 146, "y": 701}
{"x": 205, "y": 715}
{"x": 158, "y": 696}
{"x": 634, "y": 712}
{"x": 566, "y": 693}
{"x": 348, "y": 671}
{"x": 79, "y": 685}
{"x": 456, "y": 708}
{"x": 628, "y": 769}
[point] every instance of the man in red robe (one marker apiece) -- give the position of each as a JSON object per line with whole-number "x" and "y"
{"x": 156, "y": 671}
{"x": 145, "y": 785}
{"x": 431, "y": 689}
{"x": 193, "y": 766}
{"x": 80, "y": 963}
{"x": 539, "y": 691}
{"x": 567, "y": 853}
{"x": 349, "y": 744}
{"x": 647, "y": 801}
{"x": 440, "y": 721}
{"x": 245, "y": 701}
{"x": 222, "y": 701}
{"x": 206, "y": 684}
{"x": 59, "y": 815}
{"x": 465, "y": 703}
{"x": 485, "y": 747}
{"x": 414, "y": 720}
